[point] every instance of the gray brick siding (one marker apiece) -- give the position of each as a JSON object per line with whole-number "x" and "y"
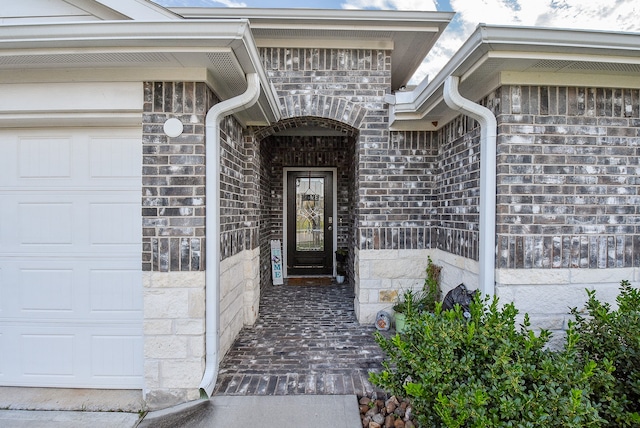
{"x": 568, "y": 192}
{"x": 173, "y": 180}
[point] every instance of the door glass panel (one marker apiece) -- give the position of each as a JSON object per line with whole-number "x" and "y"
{"x": 310, "y": 214}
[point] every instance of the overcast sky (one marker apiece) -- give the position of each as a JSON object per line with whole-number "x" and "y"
{"x": 616, "y": 15}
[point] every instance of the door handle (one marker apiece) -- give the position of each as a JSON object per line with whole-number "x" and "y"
{"x": 330, "y": 228}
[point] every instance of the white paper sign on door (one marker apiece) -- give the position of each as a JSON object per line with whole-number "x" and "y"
{"x": 276, "y": 262}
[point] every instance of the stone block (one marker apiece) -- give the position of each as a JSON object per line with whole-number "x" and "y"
{"x": 189, "y": 326}
{"x": 407, "y": 283}
{"x": 173, "y": 279}
{"x": 159, "y": 398}
{"x": 196, "y": 347}
{"x": 196, "y": 304}
{"x": 403, "y": 268}
{"x": 182, "y": 373}
{"x": 378, "y": 255}
{"x": 601, "y": 276}
{"x": 370, "y": 283}
{"x": 166, "y": 303}
{"x": 157, "y": 326}
{"x": 367, "y": 313}
{"x": 165, "y": 347}
{"x": 388, "y": 296}
{"x": 547, "y": 299}
{"x": 533, "y": 276}
{"x": 151, "y": 373}
{"x": 233, "y": 301}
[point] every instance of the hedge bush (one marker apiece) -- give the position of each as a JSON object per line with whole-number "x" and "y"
{"x": 612, "y": 338}
{"x": 486, "y": 372}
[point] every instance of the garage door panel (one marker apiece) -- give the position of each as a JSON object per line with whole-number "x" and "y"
{"x": 116, "y": 356}
{"x": 44, "y": 157}
{"x": 72, "y": 356}
{"x": 46, "y": 290}
{"x": 111, "y": 158}
{"x": 114, "y": 223}
{"x": 70, "y": 258}
{"x": 82, "y": 290}
{"x": 115, "y": 293}
{"x": 81, "y": 222}
{"x": 45, "y": 223}
{"x": 58, "y": 359}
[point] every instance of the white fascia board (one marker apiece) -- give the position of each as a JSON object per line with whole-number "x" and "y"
{"x": 340, "y": 26}
{"x": 326, "y": 44}
{"x": 586, "y": 79}
{"x": 336, "y": 15}
{"x": 120, "y": 74}
{"x": 123, "y": 34}
{"x": 140, "y": 10}
{"x": 553, "y": 39}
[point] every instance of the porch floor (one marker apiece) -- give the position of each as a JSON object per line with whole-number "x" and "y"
{"x": 306, "y": 341}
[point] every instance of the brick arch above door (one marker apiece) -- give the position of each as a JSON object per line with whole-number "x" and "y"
{"x": 317, "y": 110}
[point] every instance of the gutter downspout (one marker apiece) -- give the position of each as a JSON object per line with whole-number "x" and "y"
{"x": 488, "y": 134}
{"x": 212, "y": 221}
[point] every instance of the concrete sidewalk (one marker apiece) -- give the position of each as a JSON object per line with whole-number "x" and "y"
{"x": 65, "y": 419}
{"x": 266, "y": 411}
{"x": 282, "y": 411}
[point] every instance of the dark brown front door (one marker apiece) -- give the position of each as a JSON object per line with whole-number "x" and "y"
{"x": 309, "y": 223}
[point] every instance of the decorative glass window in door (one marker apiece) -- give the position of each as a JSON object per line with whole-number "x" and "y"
{"x": 310, "y": 214}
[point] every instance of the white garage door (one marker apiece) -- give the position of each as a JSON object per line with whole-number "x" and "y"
{"x": 70, "y": 258}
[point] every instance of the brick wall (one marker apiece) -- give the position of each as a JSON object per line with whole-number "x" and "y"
{"x": 457, "y": 187}
{"x": 174, "y": 180}
{"x": 173, "y": 177}
{"x": 397, "y": 198}
{"x": 568, "y": 162}
{"x": 238, "y": 227}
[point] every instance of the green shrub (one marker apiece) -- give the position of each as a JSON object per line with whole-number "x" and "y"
{"x": 611, "y": 337}
{"x": 431, "y": 287}
{"x": 486, "y": 373}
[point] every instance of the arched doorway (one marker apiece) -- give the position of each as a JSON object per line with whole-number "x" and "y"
{"x": 307, "y": 193}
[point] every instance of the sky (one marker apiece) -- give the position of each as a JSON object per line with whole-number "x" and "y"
{"x": 612, "y": 15}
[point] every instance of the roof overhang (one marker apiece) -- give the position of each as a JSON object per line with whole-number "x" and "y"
{"x": 409, "y": 35}
{"x": 496, "y": 56}
{"x": 219, "y": 52}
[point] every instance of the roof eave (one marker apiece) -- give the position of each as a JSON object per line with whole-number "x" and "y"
{"x": 412, "y": 109}
{"x": 409, "y": 35}
{"x": 187, "y": 43}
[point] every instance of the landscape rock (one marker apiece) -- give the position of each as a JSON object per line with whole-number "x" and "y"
{"x": 378, "y": 418}
{"x": 388, "y": 421}
{"x": 392, "y": 412}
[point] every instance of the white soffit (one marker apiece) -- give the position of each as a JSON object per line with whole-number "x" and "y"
{"x": 495, "y": 56}
{"x": 223, "y": 48}
{"x": 409, "y": 35}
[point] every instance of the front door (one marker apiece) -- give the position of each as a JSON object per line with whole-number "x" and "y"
{"x": 309, "y": 223}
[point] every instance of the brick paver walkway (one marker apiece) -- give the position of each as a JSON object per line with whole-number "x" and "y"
{"x": 306, "y": 341}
